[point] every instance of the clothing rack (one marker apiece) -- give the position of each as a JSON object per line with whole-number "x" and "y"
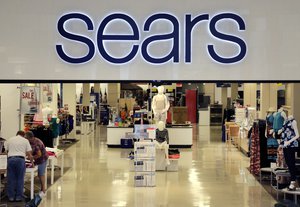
{"x": 66, "y": 126}
{"x": 258, "y": 147}
{"x": 44, "y": 133}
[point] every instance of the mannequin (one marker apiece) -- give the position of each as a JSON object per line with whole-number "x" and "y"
{"x": 55, "y": 129}
{"x": 289, "y": 135}
{"x": 272, "y": 143}
{"x": 279, "y": 118}
{"x": 269, "y": 122}
{"x": 47, "y": 114}
{"x": 160, "y": 105}
{"x": 162, "y": 139}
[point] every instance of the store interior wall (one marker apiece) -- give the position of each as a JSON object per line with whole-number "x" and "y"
{"x": 53, "y": 103}
{"x": 10, "y": 106}
{"x": 250, "y": 94}
{"x": 113, "y": 94}
{"x": 10, "y": 98}
{"x": 86, "y": 90}
{"x": 209, "y": 90}
{"x": 218, "y": 95}
{"x": 234, "y": 91}
{"x": 296, "y": 105}
{"x": 69, "y": 98}
{"x": 96, "y": 87}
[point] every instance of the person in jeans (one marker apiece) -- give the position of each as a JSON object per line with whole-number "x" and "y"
{"x": 18, "y": 148}
{"x": 40, "y": 157}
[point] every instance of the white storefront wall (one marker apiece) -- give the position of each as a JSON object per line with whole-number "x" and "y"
{"x": 29, "y": 36}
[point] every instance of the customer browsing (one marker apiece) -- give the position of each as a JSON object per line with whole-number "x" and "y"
{"x": 40, "y": 156}
{"x": 18, "y": 148}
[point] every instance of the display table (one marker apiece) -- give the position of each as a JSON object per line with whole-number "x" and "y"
{"x": 179, "y": 136}
{"x": 204, "y": 117}
{"x": 87, "y": 127}
{"x": 51, "y": 159}
{"x": 32, "y": 172}
{"x": 295, "y": 193}
{"x": 274, "y": 173}
{"x": 114, "y": 135}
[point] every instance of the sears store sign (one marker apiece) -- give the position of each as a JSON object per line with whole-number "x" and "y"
{"x": 140, "y": 38}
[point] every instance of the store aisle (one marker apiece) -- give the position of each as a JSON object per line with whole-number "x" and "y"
{"x": 208, "y": 175}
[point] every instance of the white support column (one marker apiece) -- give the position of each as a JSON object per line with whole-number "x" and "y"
{"x": 113, "y": 94}
{"x": 86, "y": 94}
{"x": 218, "y": 94}
{"x": 293, "y": 99}
{"x": 97, "y": 87}
{"x": 53, "y": 103}
{"x": 69, "y": 97}
{"x": 296, "y": 105}
{"x": 273, "y": 95}
{"x": 10, "y": 104}
{"x": 250, "y": 94}
{"x": 224, "y": 97}
{"x": 234, "y": 91}
{"x": 209, "y": 90}
{"x": 264, "y": 99}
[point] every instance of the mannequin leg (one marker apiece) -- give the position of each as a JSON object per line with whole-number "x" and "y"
{"x": 164, "y": 117}
{"x": 157, "y": 117}
{"x": 277, "y": 136}
{"x": 166, "y": 147}
{"x": 289, "y": 155}
{"x": 157, "y": 145}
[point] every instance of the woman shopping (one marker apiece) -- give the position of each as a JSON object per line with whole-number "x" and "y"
{"x": 40, "y": 156}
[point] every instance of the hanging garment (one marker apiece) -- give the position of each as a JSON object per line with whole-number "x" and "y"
{"x": 272, "y": 146}
{"x": 280, "y": 161}
{"x": 44, "y": 134}
{"x": 162, "y": 136}
{"x": 255, "y": 151}
{"x": 288, "y": 133}
{"x": 54, "y": 127}
{"x": 264, "y": 162}
{"x": 278, "y": 121}
{"x": 269, "y": 121}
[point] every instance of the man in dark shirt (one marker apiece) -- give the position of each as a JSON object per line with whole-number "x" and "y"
{"x": 162, "y": 140}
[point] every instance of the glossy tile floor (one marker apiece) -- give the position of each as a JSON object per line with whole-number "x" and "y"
{"x": 209, "y": 175}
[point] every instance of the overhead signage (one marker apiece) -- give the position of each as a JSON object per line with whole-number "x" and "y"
{"x": 170, "y": 41}
{"x": 30, "y": 99}
{"x": 143, "y": 45}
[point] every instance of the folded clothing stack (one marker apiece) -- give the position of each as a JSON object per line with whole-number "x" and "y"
{"x": 174, "y": 154}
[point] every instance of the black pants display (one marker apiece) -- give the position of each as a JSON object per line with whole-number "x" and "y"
{"x": 289, "y": 156}
{"x": 277, "y": 136}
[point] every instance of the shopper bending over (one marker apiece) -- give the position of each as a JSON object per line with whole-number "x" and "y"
{"x": 40, "y": 157}
{"x": 18, "y": 148}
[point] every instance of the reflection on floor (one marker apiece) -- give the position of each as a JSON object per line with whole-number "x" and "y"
{"x": 208, "y": 175}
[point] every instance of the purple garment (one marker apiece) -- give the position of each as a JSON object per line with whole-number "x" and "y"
{"x": 37, "y": 145}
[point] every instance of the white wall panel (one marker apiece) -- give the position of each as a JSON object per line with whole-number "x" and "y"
{"x": 29, "y": 35}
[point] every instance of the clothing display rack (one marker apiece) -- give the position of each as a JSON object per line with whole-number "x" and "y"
{"x": 66, "y": 125}
{"x": 144, "y": 163}
{"x": 258, "y": 147}
{"x": 44, "y": 133}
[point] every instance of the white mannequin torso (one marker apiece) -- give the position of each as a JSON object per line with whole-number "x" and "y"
{"x": 47, "y": 113}
{"x": 160, "y": 102}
